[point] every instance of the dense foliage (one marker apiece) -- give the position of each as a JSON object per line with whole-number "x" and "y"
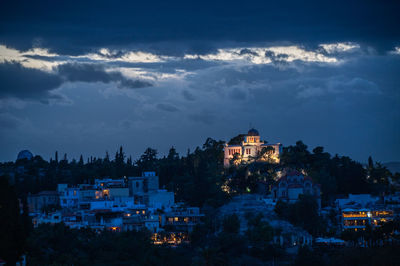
{"x": 337, "y": 175}
{"x": 59, "y": 245}
{"x": 303, "y": 213}
{"x": 14, "y": 226}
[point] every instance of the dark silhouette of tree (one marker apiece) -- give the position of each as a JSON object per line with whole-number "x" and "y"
{"x": 147, "y": 161}
{"x": 231, "y": 224}
{"x": 107, "y": 158}
{"x": 81, "y": 160}
{"x": 296, "y": 156}
{"x": 13, "y": 233}
{"x": 370, "y": 163}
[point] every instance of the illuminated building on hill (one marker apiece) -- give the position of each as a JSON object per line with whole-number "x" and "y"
{"x": 248, "y": 148}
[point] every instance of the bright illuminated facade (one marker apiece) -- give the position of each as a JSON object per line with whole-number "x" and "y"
{"x": 357, "y": 219}
{"x": 251, "y": 149}
{"x": 182, "y": 218}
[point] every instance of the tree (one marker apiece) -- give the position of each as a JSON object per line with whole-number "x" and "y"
{"x": 303, "y": 213}
{"x": 236, "y": 159}
{"x": 147, "y": 161}
{"x": 231, "y": 224}
{"x": 237, "y": 140}
{"x": 370, "y": 163}
{"x": 172, "y": 154}
{"x": 13, "y": 233}
{"x": 107, "y": 157}
{"x": 306, "y": 256}
{"x": 261, "y": 234}
{"x": 266, "y": 153}
{"x": 295, "y": 156}
{"x": 129, "y": 161}
{"x": 80, "y": 160}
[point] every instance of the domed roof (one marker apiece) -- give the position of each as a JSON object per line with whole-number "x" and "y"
{"x": 253, "y": 132}
{"x": 25, "y": 154}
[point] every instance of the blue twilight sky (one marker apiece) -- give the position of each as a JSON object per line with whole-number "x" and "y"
{"x": 84, "y": 78}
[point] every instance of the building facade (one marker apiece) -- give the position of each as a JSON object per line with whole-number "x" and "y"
{"x": 37, "y": 202}
{"x": 250, "y": 148}
{"x": 293, "y": 184}
{"x": 358, "y": 219}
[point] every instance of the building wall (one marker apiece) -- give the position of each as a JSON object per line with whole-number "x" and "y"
{"x": 87, "y": 194}
{"x": 161, "y": 198}
{"x": 136, "y": 185}
{"x": 293, "y": 193}
{"x": 69, "y": 198}
{"x": 37, "y": 202}
{"x": 118, "y": 192}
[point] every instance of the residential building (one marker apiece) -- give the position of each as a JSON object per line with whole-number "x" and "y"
{"x": 69, "y": 196}
{"x": 160, "y": 199}
{"x": 37, "y": 202}
{"x": 356, "y": 201}
{"x": 358, "y": 219}
{"x": 146, "y": 183}
{"x": 51, "y": 218}
{"x": 182, "y": 218}
{"x": 118, "y": 205}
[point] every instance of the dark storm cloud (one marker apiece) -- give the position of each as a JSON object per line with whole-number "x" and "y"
{"x": 97, "y": 73}
{"x": 34, "y": 84}
{"x": 237, "y": 94}
{"x": 188, "y": 95}
{"x": 27, "y": 83}
{"x": 203, "y": 117}
{"x": 8, "y": 121}
{"x": 275, "y": 58}
{"x": 167, "y": 107}
{"x": 66, "y": 27}
{"x": 247, "y": 51}
{"x": 170, "y": 66}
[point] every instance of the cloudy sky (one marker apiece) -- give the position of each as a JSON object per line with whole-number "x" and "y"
{"x": 86, "y": 78}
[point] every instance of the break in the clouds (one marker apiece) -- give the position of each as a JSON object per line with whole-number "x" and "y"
{"x": 86, "y": 79}
{"x": 36, "y": 73}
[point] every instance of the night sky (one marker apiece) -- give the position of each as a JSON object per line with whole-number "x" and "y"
{"x": 87, "y": 78}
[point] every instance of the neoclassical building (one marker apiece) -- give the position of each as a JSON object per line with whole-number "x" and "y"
{"x": 249, "y": 148}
